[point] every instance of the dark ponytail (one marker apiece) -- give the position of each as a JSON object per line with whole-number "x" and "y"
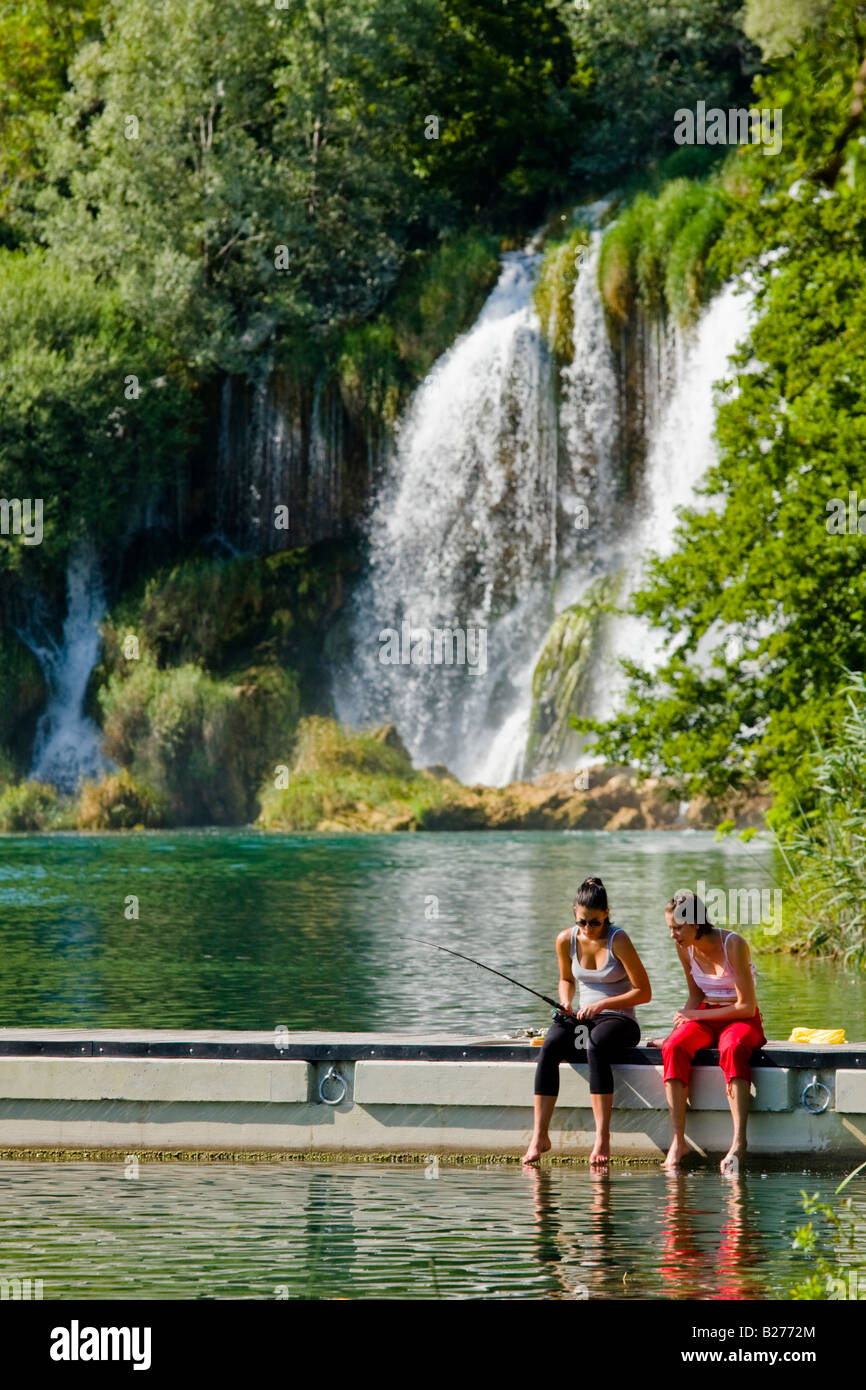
{"x": 591, "y": 894}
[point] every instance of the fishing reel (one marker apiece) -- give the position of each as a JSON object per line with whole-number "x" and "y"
{"x": 568, "y": 1020}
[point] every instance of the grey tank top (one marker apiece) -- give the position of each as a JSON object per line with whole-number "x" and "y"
{"x": 611, "y": 979}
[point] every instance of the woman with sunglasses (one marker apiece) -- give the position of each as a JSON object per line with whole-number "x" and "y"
{"x": 599, "y": 959}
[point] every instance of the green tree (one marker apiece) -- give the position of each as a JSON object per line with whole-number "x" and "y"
{"x": 38, "y": 40}
{"x": 94, "y": 415}
{"x": 640, "y": 63}
{"x": 764, "y": 604}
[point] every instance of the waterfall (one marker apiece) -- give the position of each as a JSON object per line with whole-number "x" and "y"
{"x": 500, "y": 507}
{"x": 680, "y": 449}
{"x": 590, "y": 422}
{"x": 67, "y": 744}
{"x": 462, "y": 535}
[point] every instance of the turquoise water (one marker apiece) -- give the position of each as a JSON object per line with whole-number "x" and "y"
{"x": 238, "y": 929}
{"x": 242, "y": 930}
{"x": 377, "y": 1230}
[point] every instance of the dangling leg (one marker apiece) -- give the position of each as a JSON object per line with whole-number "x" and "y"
{"x": 609, "y": 1035}
{"x": 678, "y": 1050}
{"x": 737, "y": 1042}
{"x": 554, "y": 1049}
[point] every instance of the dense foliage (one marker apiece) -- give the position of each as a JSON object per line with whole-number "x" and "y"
{"x": 194, "y": 187}
{"x": 639, "y": 63}
{"x": 763, "y": 600}
{"x": 825, "y": 852}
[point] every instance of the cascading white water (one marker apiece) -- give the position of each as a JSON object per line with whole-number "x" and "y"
{"x": 464, "y": 527}
{"x": 589, "y": 414}
{"x": 67, "y": 744}
{"x": 463, "y": 535}
{"x": 681, "y": 448}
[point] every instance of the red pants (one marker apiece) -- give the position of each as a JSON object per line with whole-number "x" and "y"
{"x": 736, "y": 1040}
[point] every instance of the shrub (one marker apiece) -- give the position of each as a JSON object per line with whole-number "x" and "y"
{"x": 201, "y": 743}
{"x": 29, "y": 806}
{"x": 231, "y": 615}
{"x": 825, "y": 851}
{"x": 118, "y": 802}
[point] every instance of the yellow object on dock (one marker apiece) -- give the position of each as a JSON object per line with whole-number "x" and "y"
{"x": 821, "y": 1036}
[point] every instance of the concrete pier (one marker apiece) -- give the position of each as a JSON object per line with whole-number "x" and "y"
{"x": 70, "y": 1090}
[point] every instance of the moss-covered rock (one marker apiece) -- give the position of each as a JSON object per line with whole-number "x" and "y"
{"x": 341, "y": 780}
{"x": 379, "y": 362}
{"x": 554, "y": 291}
{"x": 655, "y": 256}
{"x": 562, "y": 678}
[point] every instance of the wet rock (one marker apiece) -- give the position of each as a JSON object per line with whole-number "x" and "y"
{"x": 388, "y": 735}
{"x": 563, "y": 676}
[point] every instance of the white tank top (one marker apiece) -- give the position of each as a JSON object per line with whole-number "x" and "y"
{"x": 717, "y": 987}
{"x": 611, "y": 979}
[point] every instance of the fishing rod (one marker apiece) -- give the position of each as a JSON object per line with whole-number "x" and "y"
{"x": 546, "y": 997}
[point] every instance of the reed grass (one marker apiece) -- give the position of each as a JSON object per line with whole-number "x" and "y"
{"x": 825, "y": 850}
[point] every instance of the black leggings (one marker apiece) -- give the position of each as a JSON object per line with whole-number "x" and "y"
{"x": 609, "y": 1034}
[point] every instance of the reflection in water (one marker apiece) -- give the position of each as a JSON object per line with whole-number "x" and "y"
{"x": 731, "y": 1265}
{"x": 709, "y": 1238}
{"x": 579, "y": 1267}
{"x": 379, "y": 1230}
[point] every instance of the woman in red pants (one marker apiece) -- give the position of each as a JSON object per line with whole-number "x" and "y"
{"x": 721, "y": 1011}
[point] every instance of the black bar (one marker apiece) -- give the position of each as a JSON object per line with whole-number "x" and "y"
{"x": 854, "y": 1059}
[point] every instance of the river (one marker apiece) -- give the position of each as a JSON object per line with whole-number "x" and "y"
{"x": 240, "y": 929}
{"x": 379, "y": 1230}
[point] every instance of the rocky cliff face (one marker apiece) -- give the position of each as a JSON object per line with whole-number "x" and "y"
{"x": 614, "y": 799}
{"x": 366, "y": 782}
{"x": 291, "y": 443}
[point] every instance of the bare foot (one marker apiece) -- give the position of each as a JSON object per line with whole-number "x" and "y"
{"x": 733, "y": 1160}
{"x": 678, "y": 1150}
{"x": 601, "y": 1152}
{"x": 537, "y": 1147}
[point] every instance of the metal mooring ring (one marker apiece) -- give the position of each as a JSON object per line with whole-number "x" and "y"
{"x": 807, "y": 1104}
{"x": 332, "y": 1075}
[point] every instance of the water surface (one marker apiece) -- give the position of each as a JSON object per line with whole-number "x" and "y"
{"x": 241, "y": 929}
{"x": 389, "y": 1231}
